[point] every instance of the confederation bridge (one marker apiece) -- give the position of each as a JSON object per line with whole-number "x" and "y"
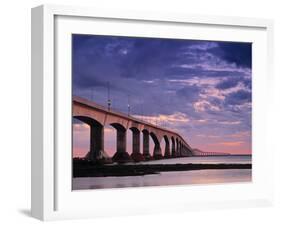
{"x": 97, "y": 117}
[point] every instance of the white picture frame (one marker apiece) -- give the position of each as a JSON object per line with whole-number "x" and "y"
{"x": 51, "y": 197}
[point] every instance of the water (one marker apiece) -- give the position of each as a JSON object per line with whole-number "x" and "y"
{"x": 238, "y": 159}
{"x": 174, "y": 178}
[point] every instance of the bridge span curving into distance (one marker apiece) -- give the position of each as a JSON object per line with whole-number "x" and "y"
{"x": 97, "y": 117}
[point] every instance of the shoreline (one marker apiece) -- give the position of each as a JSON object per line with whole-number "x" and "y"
{"x": 88, "y": 170}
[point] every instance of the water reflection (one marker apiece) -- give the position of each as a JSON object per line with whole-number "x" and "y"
{"x": 173, "y": 178}
{"x": 165, "y": 178}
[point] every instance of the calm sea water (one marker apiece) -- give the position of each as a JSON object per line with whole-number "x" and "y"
{"x": 173, "y": 178}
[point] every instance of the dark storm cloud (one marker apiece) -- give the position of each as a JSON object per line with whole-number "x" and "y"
{"x": 238, "y": 53}
{"x": 229, "y": 83}
{"x": 239, "y": 97}
{"x": 151, "y": 58}
{"x": 248, "y": 83}
{"x": 233, "y": 81}
{"x": 88, "y": 81}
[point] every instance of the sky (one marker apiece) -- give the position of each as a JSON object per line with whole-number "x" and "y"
{"x": 201, "y": 89}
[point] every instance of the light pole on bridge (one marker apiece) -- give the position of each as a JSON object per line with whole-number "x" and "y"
{"x": 129, "y": 107}
{"x": 108, "y": 96}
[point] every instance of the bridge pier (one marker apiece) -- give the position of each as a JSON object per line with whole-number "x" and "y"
{"x": 167, "y": 153}
{"x": 121, "y": 154}
{"x": 96, "y": 142}
{"x": 180, "y": 151}
{"x": 173, "y": 148}
{"x": 121, "y": 141}
{"x": 157, "y": 153}
{"x": 136, "y": 155}
{"x": 177, "y": 148}
{"x": 96, "y": 152}
{"x": 145, "y": 145}
{"x": 189, "y": 152}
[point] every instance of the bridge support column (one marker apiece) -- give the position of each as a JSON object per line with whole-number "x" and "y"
{"x": 121, "y": 154}
{"x": 167, "y": 153}
{"x": 177, "y": 148}
{"x": 173, "y": 149}
{"x": 184, "y": 151}
{"x": 136, "y": 155}
{"x": 121, "y": 141}
{"x": 157, "y": 153}
{"x": 180, "y": 151}
{"x": 96, "y": 142}
{"x": 145, "y": 145}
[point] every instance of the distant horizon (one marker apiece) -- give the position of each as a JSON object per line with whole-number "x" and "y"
{"x": 200, "y": 89}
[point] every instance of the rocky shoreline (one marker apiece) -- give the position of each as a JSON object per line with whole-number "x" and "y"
{"x": 87, "y": 169}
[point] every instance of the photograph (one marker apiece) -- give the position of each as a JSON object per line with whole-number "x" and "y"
{"x": 150, "y": 111}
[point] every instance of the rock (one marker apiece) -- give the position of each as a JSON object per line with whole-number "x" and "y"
{"x": 157, "y": 156}
{"x": 102, "y": 158}
{"x": 147, "y": 157}
{"x": 167, "y": 155}
{"x": 121, "y": 157}
{"x": 137, "y": 157}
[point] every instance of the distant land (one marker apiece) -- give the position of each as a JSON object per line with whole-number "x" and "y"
{"x": 198, "y": 152}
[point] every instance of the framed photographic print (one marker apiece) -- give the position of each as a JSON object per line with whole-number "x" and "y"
{"x": 140, "y": 112}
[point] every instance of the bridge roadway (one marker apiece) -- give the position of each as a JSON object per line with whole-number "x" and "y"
{"x": 97, "y": 116}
